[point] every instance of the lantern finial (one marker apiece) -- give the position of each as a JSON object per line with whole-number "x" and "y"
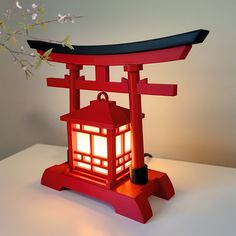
{"x": 99, "y": 96}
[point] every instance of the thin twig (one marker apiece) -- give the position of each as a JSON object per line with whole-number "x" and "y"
{"x": 46, "y": 22}
{"x": 7, "y": 35}
{"x": 15, "y": 51}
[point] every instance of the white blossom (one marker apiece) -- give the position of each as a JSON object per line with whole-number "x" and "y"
{"x": 18, "y": 5}
{"x": 28, "y": 10}
{"x": 34, "y": 16}
{"x": 61, "y": 18}
{"x": 65, "y": 18}
{"x": 34, "y": 5}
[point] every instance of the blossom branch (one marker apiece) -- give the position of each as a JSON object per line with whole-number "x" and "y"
{"x": 9, "y": 37}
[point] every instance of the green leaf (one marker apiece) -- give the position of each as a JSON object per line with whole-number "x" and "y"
{"x": 66, "y": 39}
{"x": 50, "y": 64}
{"x": 37, "y": 55}
{"x": 39, "y": 59}
{"x": 37, "y": 63}
{"x": 2, "y": 25}
{"x": 47, "y": 53}
{"x": 69, "y": 46}
{"x": 66, "y": 42}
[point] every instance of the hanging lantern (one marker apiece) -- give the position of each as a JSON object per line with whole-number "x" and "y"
{"x": 100, "y": 141}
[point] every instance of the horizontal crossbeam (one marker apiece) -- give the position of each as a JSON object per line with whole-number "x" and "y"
{"x": 156, "y": 89}
{"x": 154, "y": 56}
{"x": 117, "y": 87}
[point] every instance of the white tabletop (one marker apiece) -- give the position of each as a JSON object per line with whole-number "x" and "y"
{"x": 204, "y": 204}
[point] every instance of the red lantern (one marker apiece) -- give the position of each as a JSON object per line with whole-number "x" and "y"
{"x": 99, "y": 140}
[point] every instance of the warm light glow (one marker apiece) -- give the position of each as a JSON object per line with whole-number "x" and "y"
{"x": 77, "y": 126}
{"x": 100, "y": 146}
{"x": 119, "y": 169}
{"x": 91, "y": 128}
{"x": 84, "y": 165}
{"x": 83, "y": 142}
{"x": 127, "y": 141}
{"x": 96, "y": 161}
{"x": 79, "y": 156}
{"x": 100, "y": 170}
{"x": 104, "y": 163}
{"x": 122, "y": 128}
{"x": 87, "y": 158}
{"x": 104, "y": 131}
{"x": 118, "y": 145}
{"x": 127, "y": 164}
{"x": 121, "y": 160}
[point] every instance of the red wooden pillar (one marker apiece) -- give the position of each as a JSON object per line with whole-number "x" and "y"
{"x": 74, "y": 98}
{"x": 138, "y": 171}
{"x": 111, "y": 157}
{"x": 74, "y": 73}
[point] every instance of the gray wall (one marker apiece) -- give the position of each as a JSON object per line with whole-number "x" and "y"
{"x": 198, "y": 125}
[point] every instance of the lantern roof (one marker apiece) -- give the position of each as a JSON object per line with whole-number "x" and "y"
{"x": 100, "y": 113}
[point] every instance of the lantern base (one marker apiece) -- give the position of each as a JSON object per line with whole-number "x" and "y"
{"x": 128, "y": 199}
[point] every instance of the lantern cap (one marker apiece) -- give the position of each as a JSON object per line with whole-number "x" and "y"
{"x": 101, "y": 113}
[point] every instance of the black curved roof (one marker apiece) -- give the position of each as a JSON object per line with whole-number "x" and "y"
{"x": 188, "y": 38}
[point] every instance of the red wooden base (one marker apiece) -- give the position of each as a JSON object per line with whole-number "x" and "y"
{"x": 127, "y": 199}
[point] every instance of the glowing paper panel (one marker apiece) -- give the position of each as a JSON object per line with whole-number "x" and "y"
{"x": 100, "y": 146}
{"x": 83, "y": 142}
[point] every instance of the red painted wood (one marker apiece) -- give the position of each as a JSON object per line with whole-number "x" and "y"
{"x": 117, "y": 87}
{"x": 144, "y": 87}
{"x": 102, "y": 114}
{"x": 102, "y": 73}
{"x": 71, "y": 138}
{"x": 58, "y": 83}
{"x": 154, "y": 56}
{"x": 127, "y": 199}
{"x": 111, "y": 152}
{"x": 73, "y": 91}
{"x": 135, "y": 116}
